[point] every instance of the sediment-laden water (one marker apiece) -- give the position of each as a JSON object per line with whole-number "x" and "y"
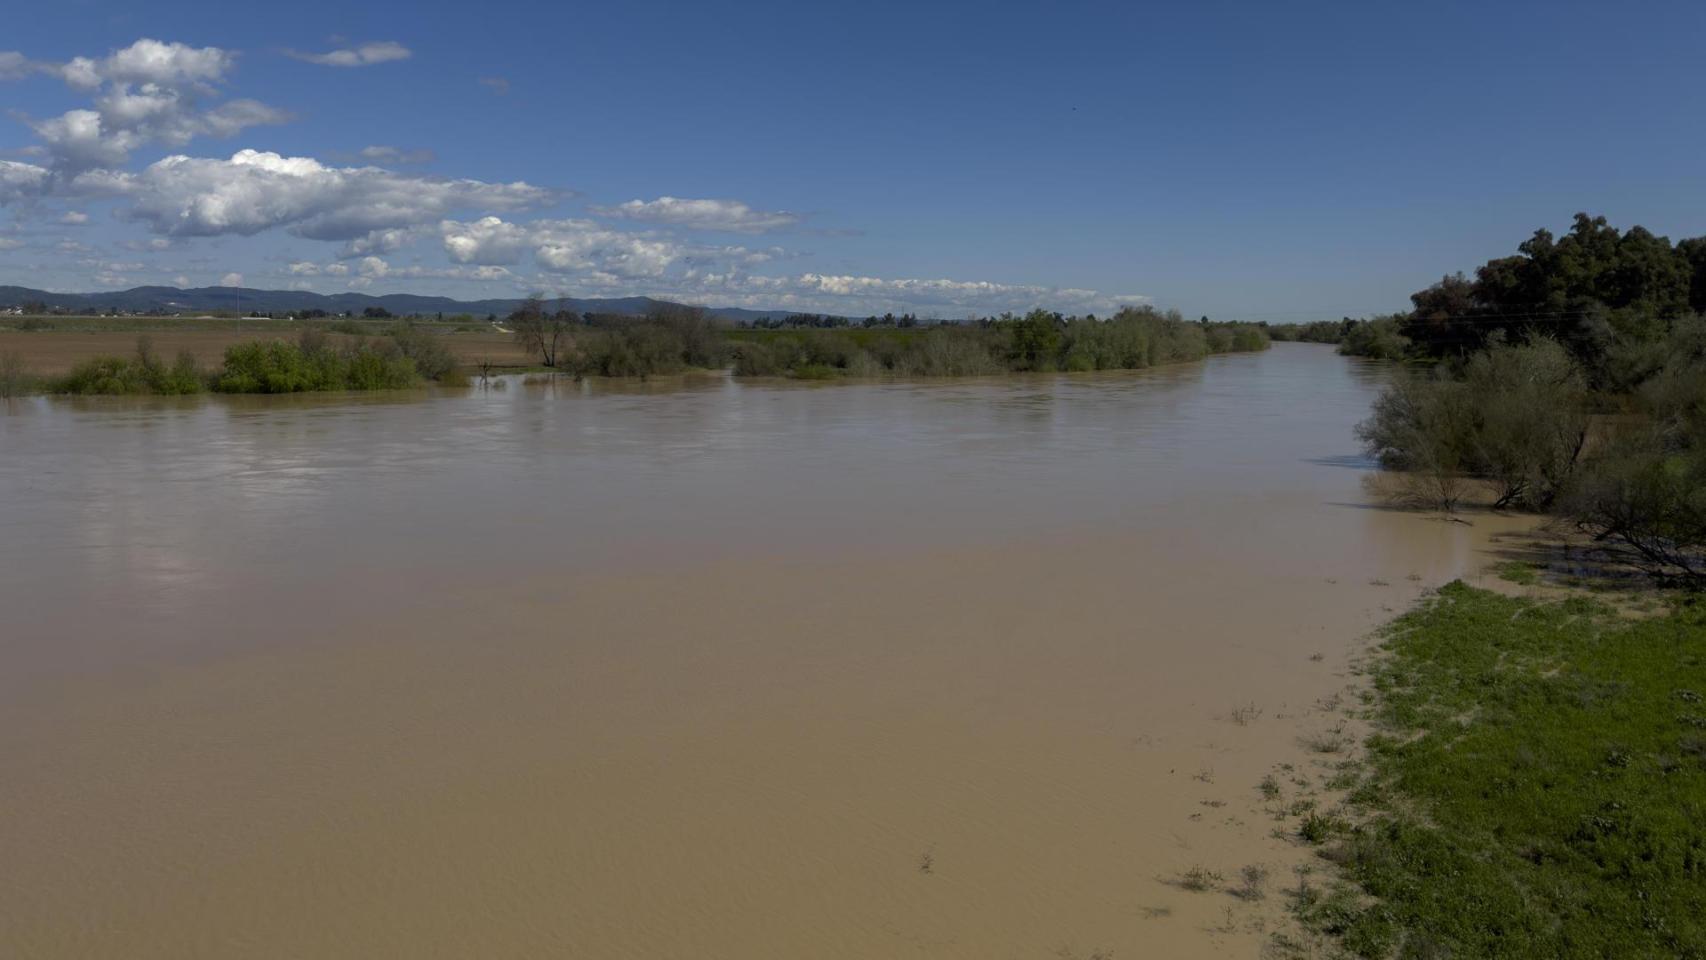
{"x": 700, "y": 669}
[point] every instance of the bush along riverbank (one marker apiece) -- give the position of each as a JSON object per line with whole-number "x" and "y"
{"x": 315, "y": 361}
{"x": 1592, "y": 411}
{"x": 1535, "y": 787}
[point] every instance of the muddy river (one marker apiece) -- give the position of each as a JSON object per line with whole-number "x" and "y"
{"x": 696, "y": 669}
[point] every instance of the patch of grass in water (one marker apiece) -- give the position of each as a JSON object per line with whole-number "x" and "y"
{"x": 1518, "y": 572}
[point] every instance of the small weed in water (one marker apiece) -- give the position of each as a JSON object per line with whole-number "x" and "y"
{"x": 1332, "y": 741}
{"x": 1253, "y": 883}
{"x": 1199, "y": 878}
{"x": 1246, "y": 714}
{"x": 1270, "y": 787}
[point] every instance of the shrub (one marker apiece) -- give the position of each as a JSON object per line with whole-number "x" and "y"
{"x": 1380, "y": 338}
{"x": 1646, "y": 489}
{"x": 432, "y": 359}
{"x": 753, "y": 359}
{"x": 313, "y": 364}
{"x": 1516, "y": 418}
{"x": 103, "y": 375}
{"x": 15, "y": 376}
{"x": 631, "y": 350}
{"x": 143, "y": 375}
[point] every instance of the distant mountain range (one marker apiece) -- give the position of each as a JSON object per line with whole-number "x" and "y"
{"x": 245, "y": 299}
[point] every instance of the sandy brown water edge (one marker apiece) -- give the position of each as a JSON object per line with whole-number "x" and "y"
{"x": 871, "y": 671}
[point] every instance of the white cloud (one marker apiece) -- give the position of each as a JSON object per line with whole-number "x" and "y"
{"x": 180, "y": 281}
{"x": 148, "y": 92}
{"x": 74, "y": 218}
{"x": 150, "y": 245}
{"x": 363, "y": 272}
{"x": 165, "y": 64}
{"x": 581, "y": 255}
{"x": 255, "y": 191}
{"x": 732, "y": 215}
{"x": 498, "y": 85}
{"x": 365, "y": 55}
{"x": 380, "y": 241}
{"x": 231, "y": 280}
{"x": 10, "y": 243}
{"x": 20, "y": 180}
{"x": 561, "y": 246}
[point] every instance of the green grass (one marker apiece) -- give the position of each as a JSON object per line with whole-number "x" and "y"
{"x": 1518, "y": 572}
{"x": 1538, "y": 787}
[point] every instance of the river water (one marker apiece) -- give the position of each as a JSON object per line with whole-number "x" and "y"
{"x": 695, "y": 669}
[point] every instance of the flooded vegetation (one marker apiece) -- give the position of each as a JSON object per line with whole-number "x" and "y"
{"x": 332, "y": 355}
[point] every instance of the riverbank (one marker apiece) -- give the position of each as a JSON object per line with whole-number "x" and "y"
{"x": 1534, "y": 785}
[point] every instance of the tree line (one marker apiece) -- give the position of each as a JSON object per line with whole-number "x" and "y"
{"x": 673, "y": 338}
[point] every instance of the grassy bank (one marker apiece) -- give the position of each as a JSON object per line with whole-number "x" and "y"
{"x": 1536, "y": 787}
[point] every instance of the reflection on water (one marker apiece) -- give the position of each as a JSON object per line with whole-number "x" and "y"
{"x": 686, "y": 668}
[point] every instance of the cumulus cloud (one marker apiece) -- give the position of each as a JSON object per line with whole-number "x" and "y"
{"x": 74, "y": 218}
{"x": 365, "y": 55}
{"x": 231, "y": 280}
{"x": 562, "y": 246}
{"x": 380, "y": 241}
{"x": 148, "y": 92}
{"x": 21, "y": 180}
{"x": 255, "y": 191}
{"x": 166, "y": 64}
{"x": 732, "y": 215}
{"x": 363, "y": 272}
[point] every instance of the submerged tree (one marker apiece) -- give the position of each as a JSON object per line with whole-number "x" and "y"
{"x": 542, "y": 333}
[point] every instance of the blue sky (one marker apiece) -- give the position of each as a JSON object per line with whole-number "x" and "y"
{"x": 1262, "y": 161}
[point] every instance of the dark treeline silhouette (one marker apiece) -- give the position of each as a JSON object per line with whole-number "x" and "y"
{"x": 1607, "y": 295}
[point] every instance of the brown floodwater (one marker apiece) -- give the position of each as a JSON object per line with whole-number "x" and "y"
{"x": 698, "y": 669}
